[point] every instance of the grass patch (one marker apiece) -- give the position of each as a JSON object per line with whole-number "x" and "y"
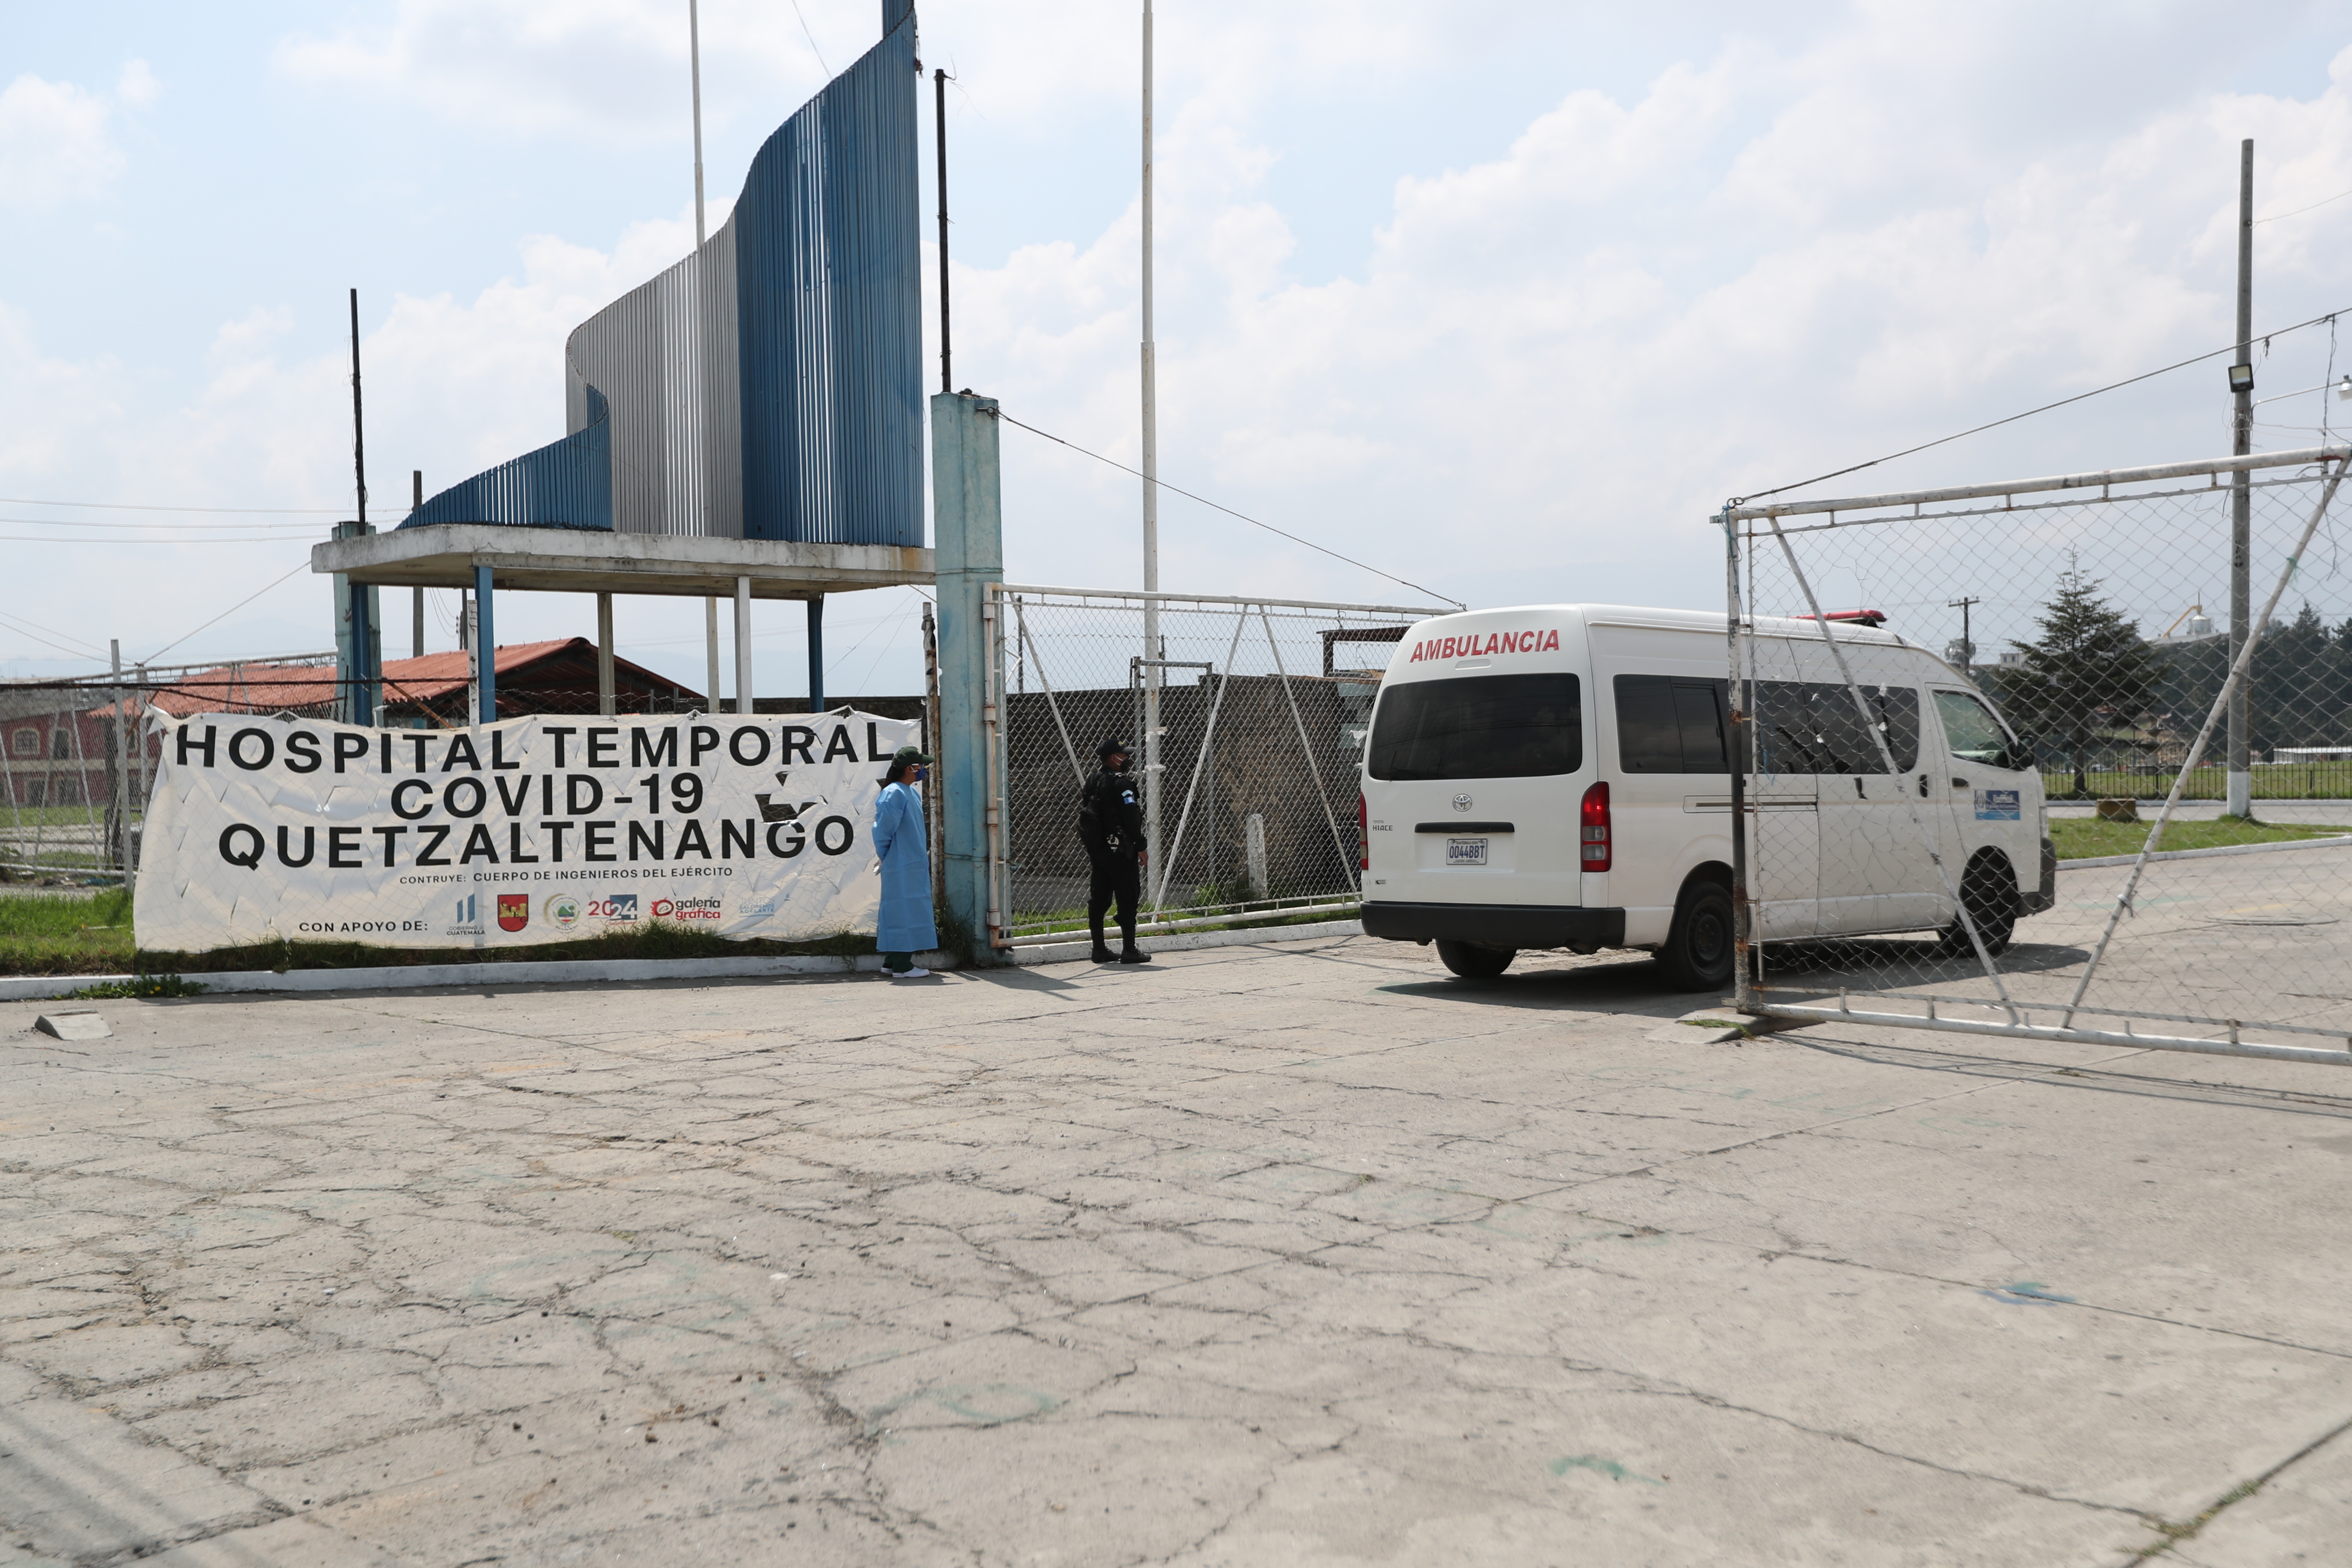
{"x": 655, "y": 939}
{"x": 139, "y": 985}
{"x": 2272, "y": 781}
{"x": 47, "y": 933}
{"x": 2083, "y": 838}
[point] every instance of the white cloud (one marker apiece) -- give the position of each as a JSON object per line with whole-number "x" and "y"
{"x": 137, "y": 85}
{"x": 55, "y": 143}
{"x": 1766, "y": 260}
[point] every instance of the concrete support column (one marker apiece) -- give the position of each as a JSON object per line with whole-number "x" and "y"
{"x": 743, "y": 645}
{"x": 816, "y": 653}
{"x": 605, "y": 703}
{"x": 967, "y": 507}
{"x": 485, "y": 648}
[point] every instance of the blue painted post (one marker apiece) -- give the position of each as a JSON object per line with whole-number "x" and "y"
{"x": 967, "y": 509}
{"x": 363, "y": 646}
{"x": 485, "y": 644}
{"x": 816, "y": 653}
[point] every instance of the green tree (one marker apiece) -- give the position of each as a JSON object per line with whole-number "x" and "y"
{"x": 2090, "y": 672}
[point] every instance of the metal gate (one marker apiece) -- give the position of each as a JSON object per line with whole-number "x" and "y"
{"x": 2196, "y": 887}
{"x": 1249, "y": 717}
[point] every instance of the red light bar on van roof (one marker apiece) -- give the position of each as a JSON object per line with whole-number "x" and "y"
{"x": 1871, "y": 618}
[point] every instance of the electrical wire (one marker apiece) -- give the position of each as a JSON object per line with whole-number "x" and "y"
{"x": 298, "y": 566}
{"x": 2300, "y": 211}
{"x": 35, "y": 630}
{"x": 192, "y": 529}
{"x": 2011, "y": 419}
{"x": 1229, "y": 511}
{"x": 225, "y": 539}
{"x": 233, "y": 510}
{"x": 812, "y": 40}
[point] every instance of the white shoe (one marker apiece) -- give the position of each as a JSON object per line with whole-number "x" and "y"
{"x": 907, "y": 974}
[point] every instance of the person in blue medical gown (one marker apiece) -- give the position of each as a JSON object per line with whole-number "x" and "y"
{"x": 905, "y": 927}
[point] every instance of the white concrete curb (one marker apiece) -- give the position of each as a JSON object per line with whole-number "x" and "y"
{"x": 1188, "y": 941}
{"x": 554, "y": 971}
{"x": 2337, "y": 842}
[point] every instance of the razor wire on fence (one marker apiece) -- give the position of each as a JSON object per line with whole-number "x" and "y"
{"x": 2013, "y": 767}
{"x": 1248, "y": 720}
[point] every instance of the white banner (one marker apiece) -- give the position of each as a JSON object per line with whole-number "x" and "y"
{"x": 532, "y": 830}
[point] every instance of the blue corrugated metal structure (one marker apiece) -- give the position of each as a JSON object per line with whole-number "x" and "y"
{"x": 565, "y": 484}
{"x": 768, "y": 385}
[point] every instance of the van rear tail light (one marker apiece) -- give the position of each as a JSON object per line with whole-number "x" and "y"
{"x": 1594, "y": 852}
{"x": 1363, "y": 835}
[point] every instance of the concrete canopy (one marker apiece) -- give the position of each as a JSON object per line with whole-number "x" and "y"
{"x": 581, "y": 560}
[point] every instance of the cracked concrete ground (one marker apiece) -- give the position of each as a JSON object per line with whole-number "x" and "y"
{"x": 1296, "y": 1255}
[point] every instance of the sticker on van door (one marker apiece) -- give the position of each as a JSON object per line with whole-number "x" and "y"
{"x": 1999, "y": 805}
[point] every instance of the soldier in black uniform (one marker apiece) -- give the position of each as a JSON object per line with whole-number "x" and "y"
{"x": 1110, "y": 825}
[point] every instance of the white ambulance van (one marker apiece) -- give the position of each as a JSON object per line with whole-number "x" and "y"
{"x": 1559, "y": 776}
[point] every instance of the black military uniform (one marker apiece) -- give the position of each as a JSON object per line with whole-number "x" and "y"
{"x": 1110, "y": 825}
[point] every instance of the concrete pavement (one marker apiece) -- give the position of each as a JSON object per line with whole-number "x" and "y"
{"x": 1299, "y": 1255}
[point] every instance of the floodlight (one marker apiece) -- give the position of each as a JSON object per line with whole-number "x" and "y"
{"x": 2242, "y": 378}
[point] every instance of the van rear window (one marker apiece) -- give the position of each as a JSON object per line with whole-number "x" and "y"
{"x": 1479, "y": 727}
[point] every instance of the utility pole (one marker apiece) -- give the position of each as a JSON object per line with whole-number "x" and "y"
{"x": 1152, "y": 650}
{"x": 1967, "y": 643}
{"x": 363, "y": 635}
{"x": 939, "y": 120}
{"x": 416, "y": 601}
{"x": 2242, "y": 440}
{"x": 694, "y": 66}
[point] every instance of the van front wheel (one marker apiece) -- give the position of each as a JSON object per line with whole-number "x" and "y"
{"x": 1698, "y": 954}
{"x": 1990, "y": 890}
{"x": 1473, "y": 962}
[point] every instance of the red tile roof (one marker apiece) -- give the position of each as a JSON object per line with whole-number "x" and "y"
{"x": 270, "y": 688}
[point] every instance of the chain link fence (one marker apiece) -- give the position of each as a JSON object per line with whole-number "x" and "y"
{"x": 1248, "y": 716}
{"x": 2012, "y": 767}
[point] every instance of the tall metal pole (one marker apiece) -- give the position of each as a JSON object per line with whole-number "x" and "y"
{"x": 694, "y": 66}
{"x": 362, "y": 704}
{"x": 118, "y": 765}
{"x": 416, "y": 595}
{"x": 2241, "y": 427}
{"x": 1152, "y": 652}
{"x": 940, "y": 119}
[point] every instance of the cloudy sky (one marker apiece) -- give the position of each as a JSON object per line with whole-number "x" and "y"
{"x": 1500, "y": 298}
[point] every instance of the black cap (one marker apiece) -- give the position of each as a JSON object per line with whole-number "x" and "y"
{"x": 1108, "y": 747}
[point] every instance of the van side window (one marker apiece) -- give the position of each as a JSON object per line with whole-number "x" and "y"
{"x": 1976, "y": 736}
{"x": 1670, "y": 724}
{"x": 1812, "y": 727}
{"x": 1478, "y": 727}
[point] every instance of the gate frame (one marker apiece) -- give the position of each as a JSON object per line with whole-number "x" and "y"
{"x": 1000, "y": 806}
{"x": 1746, "y": 997}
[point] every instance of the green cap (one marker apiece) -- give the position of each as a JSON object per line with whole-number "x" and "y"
{"x": 905, "y": 755}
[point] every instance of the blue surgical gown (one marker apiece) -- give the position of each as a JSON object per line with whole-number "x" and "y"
{"x": 905, "y": 924}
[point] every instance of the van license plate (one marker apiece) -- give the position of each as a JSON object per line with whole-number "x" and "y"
{"x": 1466, "y": 851}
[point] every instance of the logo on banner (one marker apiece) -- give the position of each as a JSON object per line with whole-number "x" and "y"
{"x": 614, "y": 906}
{"x": 514, "y": 911}
{"x": 1999, "y": 805}
{"x": 687, "y": 909}
{"x": 564, "y": 911}
{"x": 470, "y": 917}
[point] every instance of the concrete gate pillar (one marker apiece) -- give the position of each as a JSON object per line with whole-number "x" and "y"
{"x": 967, "y": 509}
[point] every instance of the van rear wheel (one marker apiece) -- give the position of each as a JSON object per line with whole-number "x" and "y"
{"x": 1698, "y": 951}
{"x": 1473, "y": 962}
